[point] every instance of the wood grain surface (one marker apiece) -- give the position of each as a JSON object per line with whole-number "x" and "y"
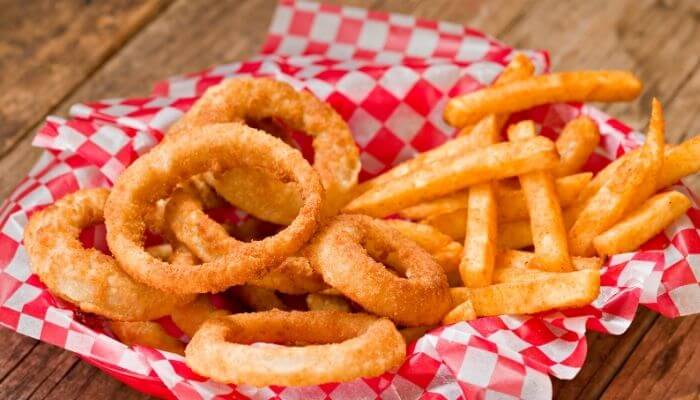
{"x": 54, "y": 54}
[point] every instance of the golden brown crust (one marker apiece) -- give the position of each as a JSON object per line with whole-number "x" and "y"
{"x": 148, "y": 334}
{"x": 336, "y": 156}
{"x": 342, "y": 347}
{"x": 344, "y": 251}
{"x": 214, "y": 148}
{"x": 88, "y": 278}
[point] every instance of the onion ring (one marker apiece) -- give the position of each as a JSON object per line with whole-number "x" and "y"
{"x": 91, "y": 280}
{"x": 207, "y": 240}
{"x": 216, "y": 147}
{"x": 146, "y": 333}
{"x": 336, "y": 156}
{"x": 259, "y": 299}
{"x": 190, "y": 317}
{"x": 343, "y": 347}
{"x": 343, "y": 253}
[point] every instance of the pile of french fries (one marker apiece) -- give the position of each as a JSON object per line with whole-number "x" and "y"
{"x": 535, "y": 229}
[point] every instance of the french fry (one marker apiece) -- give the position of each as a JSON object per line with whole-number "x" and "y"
{"x": 479, "y": 257}
{"x": 633, "y": 182}
{"x": 642, "y": 224}
{"x": 319, "y": 301}
{"x": 520, "y": 67}
{"x": 505, "y": 275}
{"x": 453, "y": 224}
{"x": 526, "y": 260}
{"x": 446, "y": 251}
{"x": 494, "y": 162}
{"x": 462, "y": 312}
{"x": 561, "y": 290}
{"x": 457, "y": 146}
{"x": 512, "y": 200}
{"x": 515, "y": 234}
{"x": 679, "y": 161}
{"x": 576, "y": 143}
{"x": 582, "y": 86}
{"x": 511, "y": 235}
{"x": 546, "y": 221}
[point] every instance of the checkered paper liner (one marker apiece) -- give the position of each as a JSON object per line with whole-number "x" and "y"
{"x": 389, "y": 76}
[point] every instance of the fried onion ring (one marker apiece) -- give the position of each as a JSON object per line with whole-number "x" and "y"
{"x": 342, "y": 347}
{"x": 146, "y": 333}
{"x": 207, "y": 240}
{"x": 336, "y": 157}
{"x": 91, "y": 280}
{"x": 216, "y": 148}
{"x": 190, "y": 317}
{"x": 344, "y": 253}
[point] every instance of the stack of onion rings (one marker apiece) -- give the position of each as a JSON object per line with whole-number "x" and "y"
{"x": 91, "y": 280}
{"x": 206, "y": 239}
{"x": 336, "y": 156}
{"x": 215, "y": 148}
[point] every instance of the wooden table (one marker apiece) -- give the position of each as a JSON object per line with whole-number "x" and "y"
{"x": 54, "y": 54}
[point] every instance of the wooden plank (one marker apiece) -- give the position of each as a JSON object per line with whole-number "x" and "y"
{"x": 47, "y": 48}
{"x": 606, "y": 354}
{"x": 14, "y": 350}
{"x": 38, "y": 373}
{"x": 665, "y": 365}
{"x": 87, "y": 382}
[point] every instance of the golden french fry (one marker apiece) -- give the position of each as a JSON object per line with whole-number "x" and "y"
{"x": 497, "y": 161}
{"x": 515, "y": 234}
{"x": 524, "y": 259}
{"x": 511, "y": 235}
{"x": 680, "y": 161}
{"x": 453, "y": 224}
{"x": 520, "y": 67}
{"x": 479, "y": 257}
{"x": 583, "y": 86}
{"x": 259, "y": 299}
{"x": 457, "y": 146}
{"x": 561, "y": 290}
{"x": 635, "y": 177}
{"x": 446, "y": 251}
{"x": 515, "y": 205}
{"x": 505, "y": 275}
{"x": 546, "y": 221}
{"x": 462, "y": 312}
{"x": 642, "y": 223}
{"x": 512, "y": 204}
{"x": 576, "y": 143}
{"x": 318, "y": 301}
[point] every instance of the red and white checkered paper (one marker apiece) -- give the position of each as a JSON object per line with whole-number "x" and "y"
{"x": 389, "y": 76}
